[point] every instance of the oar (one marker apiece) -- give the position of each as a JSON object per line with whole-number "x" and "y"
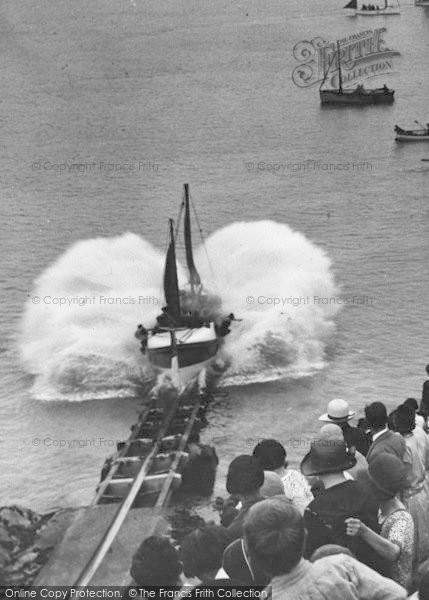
{"x": 419, "y": 124}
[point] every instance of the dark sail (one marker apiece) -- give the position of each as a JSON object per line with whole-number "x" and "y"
{"x": 171, "y": 286}
{"x": 351, "y": 4}
{"x": 194, "y": 278}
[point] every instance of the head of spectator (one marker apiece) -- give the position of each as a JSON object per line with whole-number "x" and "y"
{"x": 273, "y": 485}
{"x": 202, "y": 550}
{"x": 387, "y": 476}
{"x": 274, "y": 536}
{"x": 391, "y": 420}
{"x": 328, "y": 454}
{"x": 412, "y": 403}
{"x": 245, "y": 476}
{"x": 405, "y": 419}
{"x": 427, "y": 370}
{"x": 376, "y": 416}
{"x": 338, "y": 411}
{"x": 156, "y": 562}
{"x": 329, "y": 550}
{"x": 237, "y": 565}
{"x": 424, "y": 587}
{"x": 271, "y": 454}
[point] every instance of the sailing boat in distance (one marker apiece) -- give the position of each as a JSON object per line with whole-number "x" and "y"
{"x": 358, "y": 96}
{"x": 373, "y": 10}
{"x": 190, "y": 330}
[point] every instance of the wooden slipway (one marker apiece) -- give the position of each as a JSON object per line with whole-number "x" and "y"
{"x": 82, "y": 539}
{"x": 98, "y": 546}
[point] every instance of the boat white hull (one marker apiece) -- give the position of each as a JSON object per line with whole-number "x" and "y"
{"x": 196, "y": 349}
{"x": 384, "y": 12}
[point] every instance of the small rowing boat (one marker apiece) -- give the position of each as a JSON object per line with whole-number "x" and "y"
{"x": 412, "y": 135}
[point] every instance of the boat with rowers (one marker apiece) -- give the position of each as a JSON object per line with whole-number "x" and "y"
{"x": 412, "y": 135}
{"x": 190, "y": 330}
{"x": 373, "y": 10}
{"x": 359, "y": 96}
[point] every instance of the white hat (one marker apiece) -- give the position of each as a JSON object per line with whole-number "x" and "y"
{"x": 338, "y": 412}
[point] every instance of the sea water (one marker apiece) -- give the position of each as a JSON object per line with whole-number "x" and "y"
{"x": 109, "y": 108}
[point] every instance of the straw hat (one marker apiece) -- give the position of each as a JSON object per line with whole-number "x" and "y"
{"x": 338, "y": 412}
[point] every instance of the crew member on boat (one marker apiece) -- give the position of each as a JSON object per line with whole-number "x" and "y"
{"x": 142, "y": 335}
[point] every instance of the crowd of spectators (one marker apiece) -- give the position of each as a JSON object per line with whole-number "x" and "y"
{"x": 352, "y": 524}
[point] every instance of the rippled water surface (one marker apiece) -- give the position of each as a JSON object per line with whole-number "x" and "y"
{"x": 199, "y": 92}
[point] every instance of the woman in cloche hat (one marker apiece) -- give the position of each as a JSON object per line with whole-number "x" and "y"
{"x": 387, "y": 478}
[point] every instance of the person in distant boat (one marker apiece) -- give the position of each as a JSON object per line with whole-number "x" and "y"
{"x": 142, "y": 335}
{"x": 385, "y": 89}
{"x": 166, "y": 319}
{"x": 191, "y": 320}
{"x": 224, "y": 328}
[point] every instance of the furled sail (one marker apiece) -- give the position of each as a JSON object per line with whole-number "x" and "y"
{"x": 171, "y": 285}
{"x": 351, "y": 4}
{"x": 194, "y": 278}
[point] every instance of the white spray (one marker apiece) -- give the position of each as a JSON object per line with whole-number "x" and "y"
{"x": 77, "y": 336}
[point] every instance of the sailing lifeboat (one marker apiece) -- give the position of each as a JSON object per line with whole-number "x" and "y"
{"x": 359, "y": 96}
{"x": 373, "y": 10}
{"x": 190, "y": 330}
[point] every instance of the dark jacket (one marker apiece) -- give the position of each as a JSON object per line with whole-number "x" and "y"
{"x": 325, "y": 517}
{"x": 388, "y": 442}
{"x": 235, "y": 524}
{"x": 356, "y": 437}
{"x": 199, "y": 472}
{"x": 424, "y": 405}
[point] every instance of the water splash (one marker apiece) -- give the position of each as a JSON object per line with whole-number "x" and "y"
{"x": 277, "y": 281}
{"x": 85, "y": 349}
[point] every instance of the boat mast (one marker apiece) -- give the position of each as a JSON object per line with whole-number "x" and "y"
{"x": 194, "y": 278}
{"x": 340, "y": 77}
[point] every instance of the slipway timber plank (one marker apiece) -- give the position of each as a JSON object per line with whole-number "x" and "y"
{"x": 83, "y": 536}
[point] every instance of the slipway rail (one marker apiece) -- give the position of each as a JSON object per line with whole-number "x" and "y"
{"x": 145, "y": 468}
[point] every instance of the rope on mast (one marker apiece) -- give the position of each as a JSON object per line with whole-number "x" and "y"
{"x": 203, "y": 242}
